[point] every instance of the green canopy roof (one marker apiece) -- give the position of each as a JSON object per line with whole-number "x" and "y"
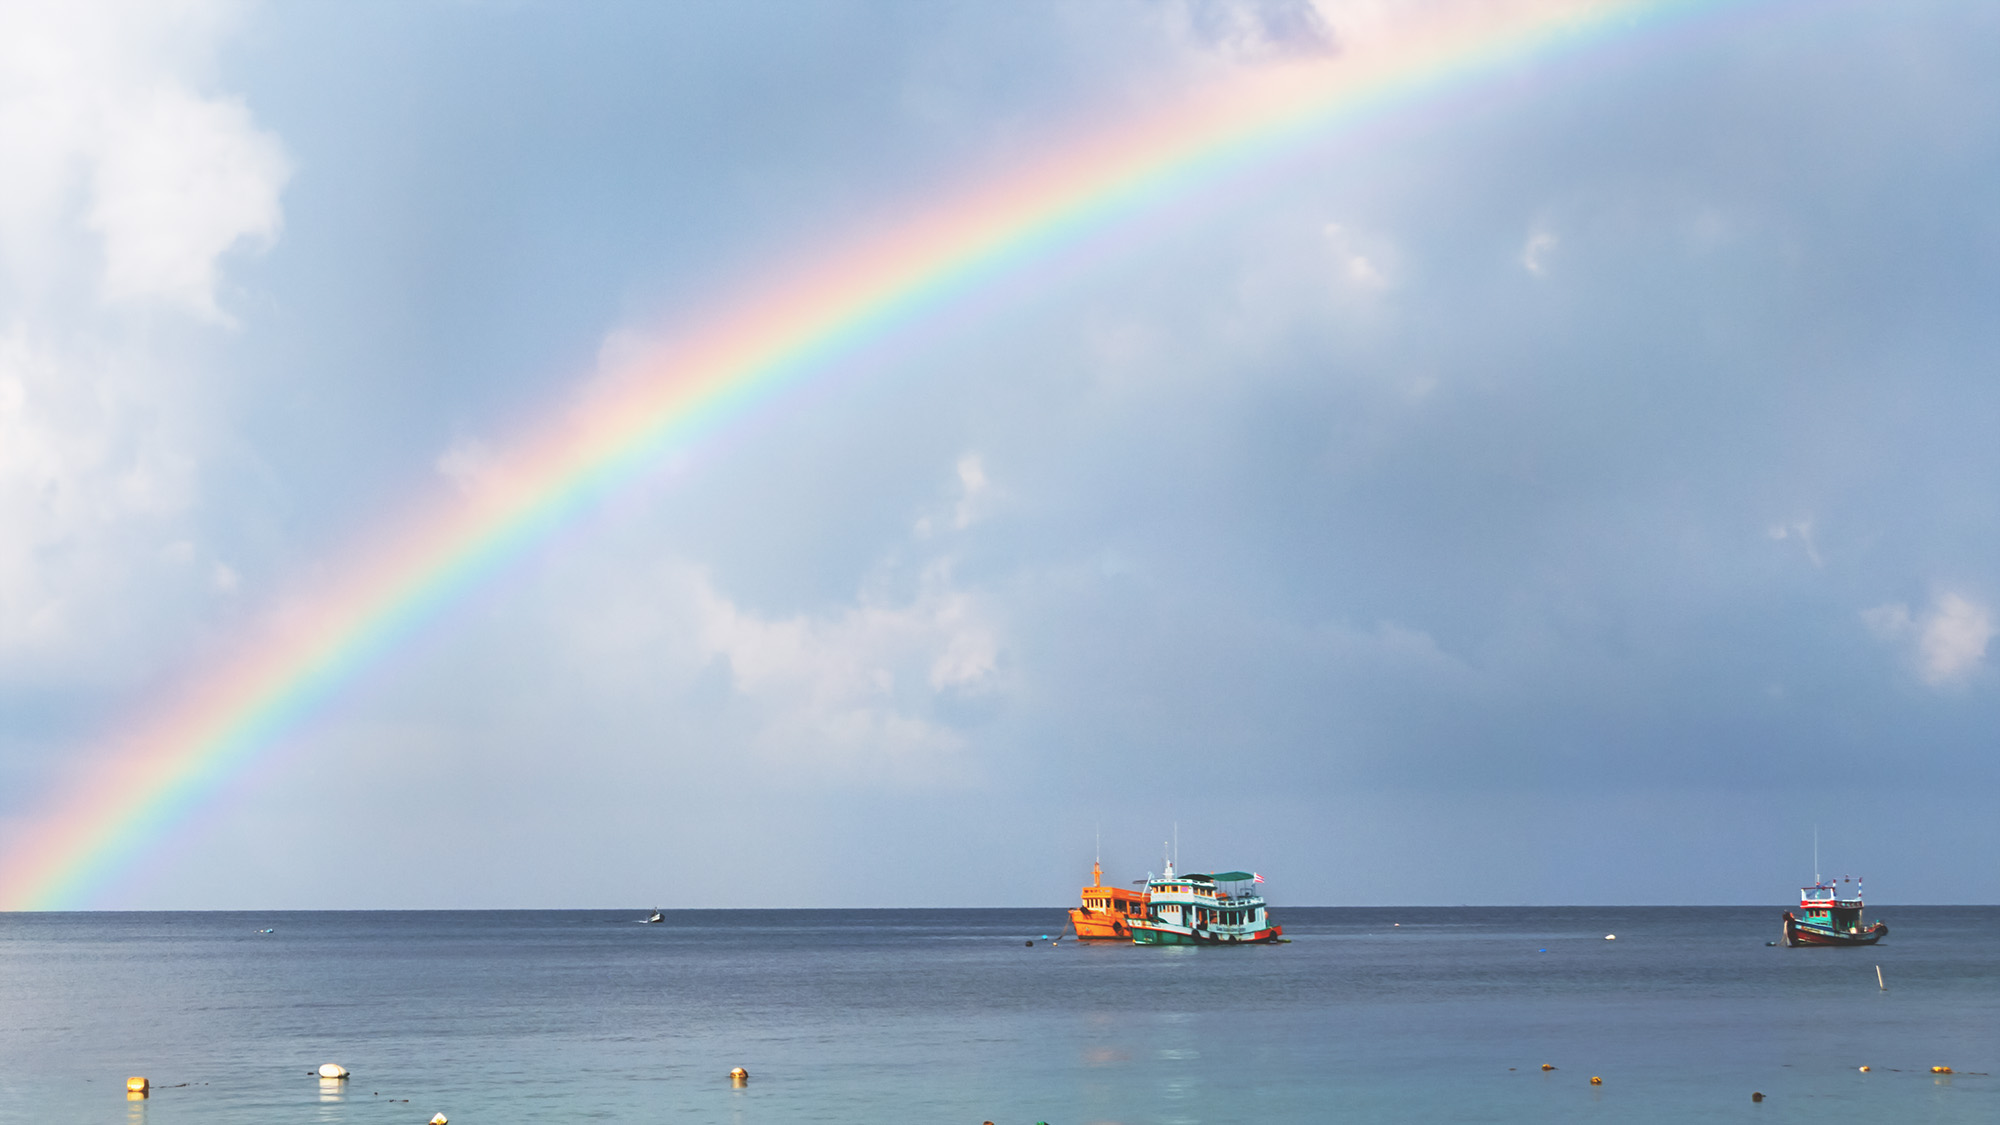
{"x": 1232, "y": 876}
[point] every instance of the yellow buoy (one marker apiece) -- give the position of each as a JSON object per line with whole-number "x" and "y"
{"x": 1548, "y": 1066}
{"x": 1596, "y": 1081}
{"x": 739, "y": 1077}
{"x": 137, "y": 1085}
{"x": 1940, "y": 1070}
{"x": 440, "y": 1119}
{"x": 1864, "y": 1070}
{"x": 332, "y": 1070}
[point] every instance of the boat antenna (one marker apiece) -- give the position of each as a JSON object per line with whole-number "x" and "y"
{"x": 1816, "y": 879}
{"x": 1177, "y": 845}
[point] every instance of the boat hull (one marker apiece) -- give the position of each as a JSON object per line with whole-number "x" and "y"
{"x": 1099, "y": 925}
{"x": 1798, "y": 933}
{"x": 1155, "y": 933}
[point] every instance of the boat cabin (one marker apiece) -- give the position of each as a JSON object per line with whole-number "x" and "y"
{"x": 1198, "y": 901}
{"x": 1827, "y": 906}
{"x": 1107, "y": 913}
{"x": 1204, "y": 909}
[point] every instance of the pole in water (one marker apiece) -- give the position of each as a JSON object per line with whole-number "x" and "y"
{"x": 1878, "y": 979}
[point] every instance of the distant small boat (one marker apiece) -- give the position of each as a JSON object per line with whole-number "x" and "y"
{"x": 656, "y": 916}
{"x": 267, "y": 931}
{"x": 1828, "y": 917}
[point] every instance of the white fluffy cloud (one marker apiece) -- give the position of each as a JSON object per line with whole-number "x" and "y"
{"x": 1947, "y": 643}
{"x": 106, "y": 135}
{"x": 180, "y": 180}
{"x": 124, "y": 185}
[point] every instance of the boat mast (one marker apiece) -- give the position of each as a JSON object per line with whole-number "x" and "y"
{"x": 1816, "y": 879}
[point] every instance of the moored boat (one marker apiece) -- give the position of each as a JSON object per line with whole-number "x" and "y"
{"x": 1220, "y": 909}
{"x": 1107, "y": 913}
{"x": 1829, "y": 916}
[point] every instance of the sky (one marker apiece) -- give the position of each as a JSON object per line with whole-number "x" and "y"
{"x": 1574, "y": 485}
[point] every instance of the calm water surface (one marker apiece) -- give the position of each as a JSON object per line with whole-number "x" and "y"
{"x": 945, "y": 1016}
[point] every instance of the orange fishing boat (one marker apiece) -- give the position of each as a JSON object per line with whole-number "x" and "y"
{"x": 1107, "y": 913}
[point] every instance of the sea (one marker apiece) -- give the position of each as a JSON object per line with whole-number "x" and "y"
{"x": 969, "y": 1016}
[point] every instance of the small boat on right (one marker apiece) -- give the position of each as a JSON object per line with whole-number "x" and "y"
{"x": 1831, "y": 915}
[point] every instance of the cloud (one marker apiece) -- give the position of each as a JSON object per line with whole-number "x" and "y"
{"x": 1356, "y": 268}
{"x": 972, "y": 482}
{"x": 974, "y": 492}
{"x": 1256, "y": 29}
{"x": 124, "y": 188}
{"x": 859, "y": 686}
{"x": 1802, "y": 530}
{"x": 1536, "y": 251}
{"x": 468, "y": 464}
{"x": 853, "y": 687}
{"x": 179, "y": 180}
{"x": 105, "y": 134}
{"x": 90, "y": 478}
{"x": 1948, "y": 644}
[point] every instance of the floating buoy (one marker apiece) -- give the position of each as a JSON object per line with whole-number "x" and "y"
{"x": 1940, "y": 1070}
{"x": 1756, "y": 1095}
{"x": 1548, "y": 1066}
{"x": 1864, "y": 1070}
{"x": 1596, "y": 1081}
{"x": 1030, "y": 941}
{"x": 739, "y": 1077}
{"x": 332, "y": 1070}
{"x": 1610, "y": 937}
{"x": 439, "y": 1119}
{"x": 137, "y": 1085}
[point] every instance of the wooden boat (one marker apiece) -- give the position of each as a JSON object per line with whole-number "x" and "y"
{"x": 1107, "y": 913}
{"x": 1220, "y": 909}
{"x": 1825, "y": 917}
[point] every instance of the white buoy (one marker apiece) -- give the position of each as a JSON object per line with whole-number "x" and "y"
{"x": 440, "y": 1119}
{"x": 332, "y": 1070}
{"x": 1610, "y": 937}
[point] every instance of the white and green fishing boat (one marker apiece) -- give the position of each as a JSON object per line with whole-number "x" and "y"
{"x": 1220, "y": 909}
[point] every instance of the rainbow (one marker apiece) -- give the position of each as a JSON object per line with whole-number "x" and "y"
{"x": 145, "y": 782}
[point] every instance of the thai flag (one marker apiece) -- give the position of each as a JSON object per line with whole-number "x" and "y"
{"x": 1256, "y": 878}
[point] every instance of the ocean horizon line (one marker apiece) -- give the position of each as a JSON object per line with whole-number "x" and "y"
{"x": 1778, "y": 904}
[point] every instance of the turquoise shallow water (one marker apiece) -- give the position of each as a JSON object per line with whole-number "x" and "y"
{"x": 944, "y": 1015}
